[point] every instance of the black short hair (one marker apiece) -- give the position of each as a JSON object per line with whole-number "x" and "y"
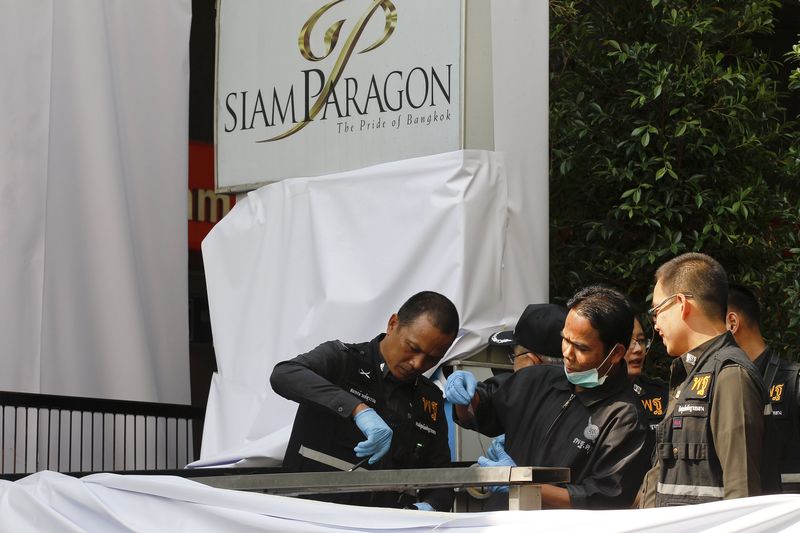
{"x": 608, "y": 311}
{"x": 743, "y": 301}
{"x": 698, "y": 274}
{"x": 440, "y": 310}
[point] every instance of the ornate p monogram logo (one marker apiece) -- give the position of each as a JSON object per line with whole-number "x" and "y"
{"x": 331, "y": 39}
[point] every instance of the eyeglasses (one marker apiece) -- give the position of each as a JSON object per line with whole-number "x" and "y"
{"x": 644, "y": 343}
{"x": 652, "y": 313}
{"x": 512, "y": 356}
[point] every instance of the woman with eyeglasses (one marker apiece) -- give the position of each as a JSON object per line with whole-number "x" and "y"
{"x": 652, "y": 392}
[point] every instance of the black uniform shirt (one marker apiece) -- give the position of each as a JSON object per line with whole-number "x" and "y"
{"x": 600, "y": 433}
{"x": 652, "y": 394}
{"x": 782, "y": 379}
{"x": 323, "y": 420}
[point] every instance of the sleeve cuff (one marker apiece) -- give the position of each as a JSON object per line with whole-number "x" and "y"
{"x": 577, "y": 497}
{"x": 344, "y": 404}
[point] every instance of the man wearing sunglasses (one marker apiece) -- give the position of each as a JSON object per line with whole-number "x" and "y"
{"x": 709, "y": 445}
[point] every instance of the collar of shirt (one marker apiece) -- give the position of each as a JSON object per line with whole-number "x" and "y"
{"x": 762, "y": 360}
{"x": 377, "y": 356}
{"x": 697, "y": 355}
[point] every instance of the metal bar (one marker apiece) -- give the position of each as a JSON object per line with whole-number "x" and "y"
{"x": 177, "y": 438}
{"x": 134, "y": 441}
{"x": 69, "y": 441}
{"x": 49, "y": 423}
{"x": 25, "y": 460}
{"x": 80, "y": 448}
{"x": 166, "y": 442}
{"x": 387, "y": 480}
{"x": 155, "y": 447}
{"x": 14, "y": 446}
{"x": 790, "y": 478}
{"x": 524, "y": 497}
{"x": 58, "y": 447}
{"x": 3, "y": 439}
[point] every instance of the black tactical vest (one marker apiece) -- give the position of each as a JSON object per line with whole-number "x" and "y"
{"x": 690, "y": 471}
{"x": 780, "y": 377}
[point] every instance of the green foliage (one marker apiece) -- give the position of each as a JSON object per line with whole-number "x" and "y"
{"x": 668, "y": 135}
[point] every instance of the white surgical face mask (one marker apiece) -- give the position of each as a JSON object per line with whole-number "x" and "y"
{"x": 588, "y": 379}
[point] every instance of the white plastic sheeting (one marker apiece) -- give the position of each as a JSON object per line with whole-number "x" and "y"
{"x": 48, "y": 501}
{"x": 307, "y": 260}
{"x": 93, "y": 172}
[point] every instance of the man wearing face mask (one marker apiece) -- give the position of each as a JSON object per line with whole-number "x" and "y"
{"x": 583, "y": 415}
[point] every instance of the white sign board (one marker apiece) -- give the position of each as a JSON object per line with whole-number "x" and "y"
{"x": 310, "y": 87}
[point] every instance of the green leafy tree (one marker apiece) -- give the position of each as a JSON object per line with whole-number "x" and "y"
{"x": 669, "y": 134}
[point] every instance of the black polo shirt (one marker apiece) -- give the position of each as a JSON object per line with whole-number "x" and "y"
{"x": 600, "y": 434}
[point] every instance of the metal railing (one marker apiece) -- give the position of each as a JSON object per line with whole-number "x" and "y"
{"x": 524, "y": 481}
{"x": 74, "y": 434}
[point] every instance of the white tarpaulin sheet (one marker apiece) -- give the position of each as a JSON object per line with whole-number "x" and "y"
{"x": 106, "y": 502}
{"x": 307, "y": 260}
{"x": 93, "y": 173}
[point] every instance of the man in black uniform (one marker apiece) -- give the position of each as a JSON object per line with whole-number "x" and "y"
{"x": 582, "y": 415}
{"x": 652, "y": 392}
{"x": 781, "y": 377}
{"x": 375, "y": 390}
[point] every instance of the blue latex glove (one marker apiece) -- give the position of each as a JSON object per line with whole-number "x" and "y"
{"x": 423, "y": 506}
{"x": 503, "y": 459}
{"x": 460, "y": 387}
{"x": 497, "y": 447}
{"x": 379, "y": 435}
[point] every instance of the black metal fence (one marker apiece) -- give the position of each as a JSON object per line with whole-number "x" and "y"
{"x": 74, "y": 434}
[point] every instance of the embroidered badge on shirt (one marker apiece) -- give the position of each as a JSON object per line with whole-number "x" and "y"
{"x": 637, "y": 389}
{"x": 776, "y": 392}
{"x": 591, "y": 432}
{"x": 677, "y": 422}
{"x": 430, "y": 407}
{"x": 700, "y": 384}
{"x": 364, "y": 373}
{"x": 692, "y": 409}
{"x": 653, "y": 406}
{"x": 691, "y": 359}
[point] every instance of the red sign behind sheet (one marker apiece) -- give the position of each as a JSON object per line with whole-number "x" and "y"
{"x": 206, "y": 208}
